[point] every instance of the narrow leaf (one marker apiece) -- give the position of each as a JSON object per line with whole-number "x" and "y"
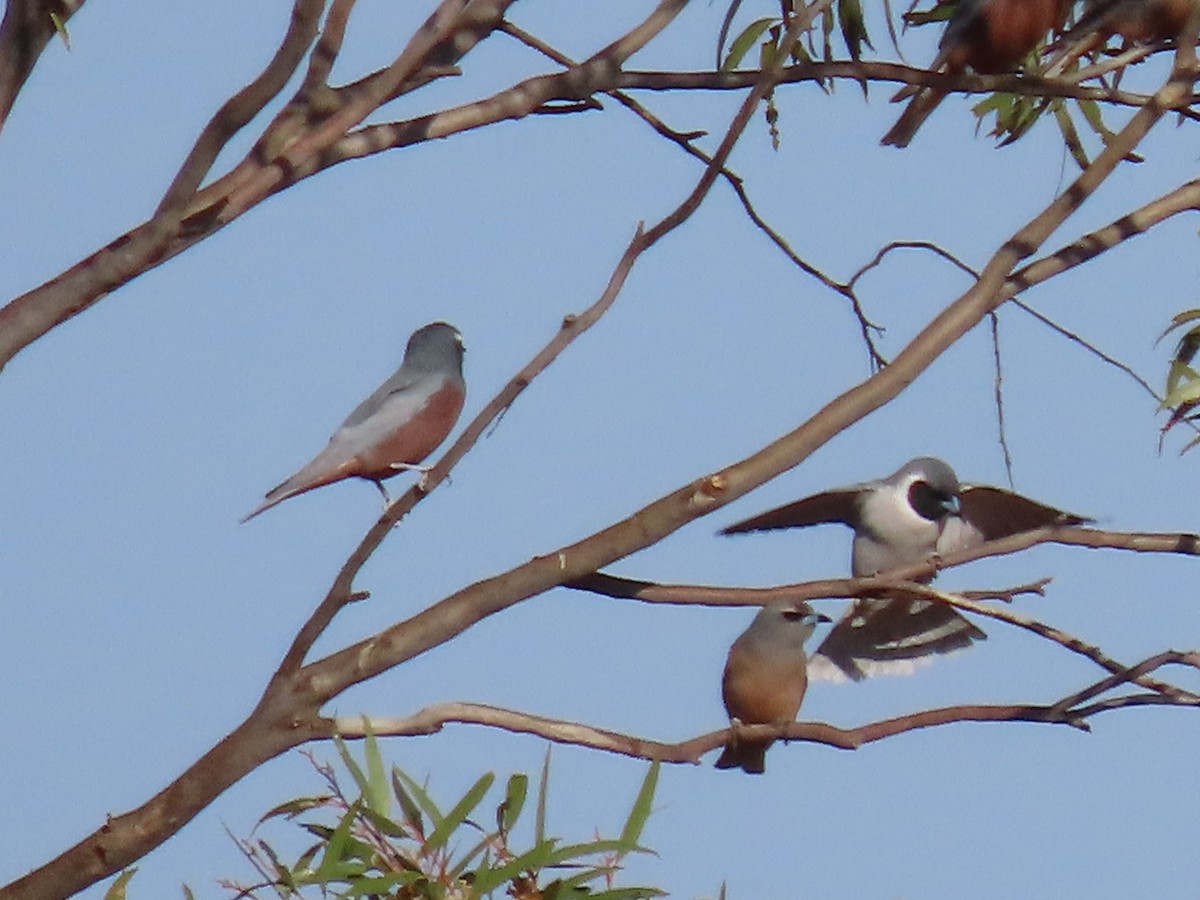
{"x": 421, "y": 796}
{"x": 116, "y": 890}
{"x": 293, "y": 808}
{"x": 408, "y": 806}
{"x": 378, "y": 798}
{"x": 60, "y": 26}
{"x": 514, "y": 801}
{"x": 726, "y": 22}
{"x": 743, "y": 42}
{"x": 351, "y": 765}
{"x": 632, "y": 831}
{"x": 534, "y": 860}
{"x": 462, "y": 809}
{"x": 539, "y": 822}
{"x": 339, "y": 843}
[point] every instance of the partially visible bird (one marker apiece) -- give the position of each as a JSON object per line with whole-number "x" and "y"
{"x": 986, "y": 36}
{"x": 398, "y": 425}
{"x": 917, "y": 513}
{"x": 765, "y": 678}
{"x": 1138, "y": 21}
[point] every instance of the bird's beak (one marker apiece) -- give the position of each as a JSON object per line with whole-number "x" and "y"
{"x": 952, "y": 505}
{"x": 816, "y": 618}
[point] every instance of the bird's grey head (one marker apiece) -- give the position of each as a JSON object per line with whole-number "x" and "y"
{"x": 783, "y": 617}
{"x": 437, "y": 346}
{"x": 933, "y": 487}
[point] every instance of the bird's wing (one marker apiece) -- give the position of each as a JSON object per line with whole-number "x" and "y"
{"x": 402, "y": 381}
{"x": 992, "y": 512}
{"x": 839, "y": 505}
{"x": 887, "y": 636}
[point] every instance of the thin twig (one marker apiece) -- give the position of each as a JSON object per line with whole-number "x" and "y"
{"x": 998, "y": 393}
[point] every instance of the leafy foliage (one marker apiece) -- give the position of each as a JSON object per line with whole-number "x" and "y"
{"x": 845, "y": 18}
{"x": 1078, "y": 60}
{"x": 1183, "y": 381}
{"x": 388, "y": 837}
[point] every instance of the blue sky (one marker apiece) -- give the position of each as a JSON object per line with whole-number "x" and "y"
{"x": 142, "y": 621}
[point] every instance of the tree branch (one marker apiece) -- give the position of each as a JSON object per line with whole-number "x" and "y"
{"x": 243, "y": 106}
{"x": 297, "y": 138}
{"x": 27, "y": 28}
{"x": 433, "y": 719}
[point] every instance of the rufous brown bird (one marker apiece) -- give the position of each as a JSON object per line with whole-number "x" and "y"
{"x": 985, "y": 36}
{"x": 765, "y": 678}
{"x": 1138, "y": 21}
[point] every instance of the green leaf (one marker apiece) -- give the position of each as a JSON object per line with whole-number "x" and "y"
{"x": 1188, "y": 391}
{"x": 1094, "y": 118}
{"x": 940, "y": 13}
{"x": 116, "y": 890}
{"x": 467, "y": 859}
{"x": 1188, "y": 315}
{"x": 1070, "y": 135}
{"x": 379, "y": 884}
{"x": 1179, "y": 373}
{"x": 510, "y": 808}
{"x": 462, "y": 809}
{"x": 283, "y": 874}
{"x": 726, "y": 22}
{"x": 539, "y": 822}
{"x": 187, "y": 893}
{"x": 632, "y": 831}
{"x": 378, "y": 798}
{"x": 387, "y": 826}
{"x": 408, "y": 806}
{"x": 419, "y": 794}
{"x": 569, "y": 852}
{"x": 351, "y": 765}
{"x": 338, "y": 847}
{"x": 60, "y": 26}
{"x": 853, "y": 26}
{"x": 304, "y": 860}
{"x": 743, "y": 42}
{"x": 293, "y": 808}
{"x": 534, "y": 860}
{"x": 324, "y": 832}
{"x": 628, "y": 893}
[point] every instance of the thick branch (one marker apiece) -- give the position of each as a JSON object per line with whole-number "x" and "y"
{"x": 298, "y": 143}
{"x": 27, "y": 28}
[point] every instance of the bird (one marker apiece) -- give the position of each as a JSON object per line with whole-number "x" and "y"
{"x": 765, "y": 678}
{"x": 918, "y": 513}
{"x": 395, "y": 428}
{"x": 986, "y": 36}
{"x": 1138, "y": 21}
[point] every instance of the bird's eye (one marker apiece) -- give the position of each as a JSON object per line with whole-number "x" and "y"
{"x": 928, "y": 502}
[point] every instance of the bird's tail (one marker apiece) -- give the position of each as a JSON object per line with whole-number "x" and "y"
{"x": 317, "y": 473}
{"x": 749, "y": 756}
{"x": 922, "y": 104}
{"x": 277, "y": 494}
